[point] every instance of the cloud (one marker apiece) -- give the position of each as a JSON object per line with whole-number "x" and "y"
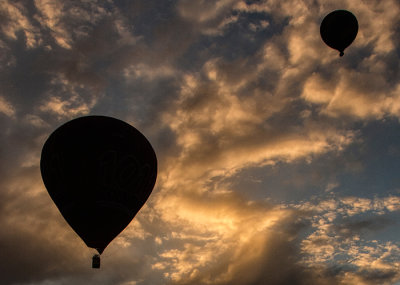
{"x": 365, "y": 92}
{"x": 221, "y": 130}
{"x": 226, "y": 240}
{"x": 345, "y": 98}
{"x": 6, "y": 108}
{"x": 32, "y": 231}
{"x": 340, "y": 228}
{"x": 15, "y": 19}
{"x": 50, "y": 13}
{"x": 220, "y": 88}
{"x": 208, "y": 10}
{"x": 74, "y": 103}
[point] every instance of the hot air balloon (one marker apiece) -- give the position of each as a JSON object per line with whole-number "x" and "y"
{"x": 99, "y": 171}
{"x": 339, "y": 29}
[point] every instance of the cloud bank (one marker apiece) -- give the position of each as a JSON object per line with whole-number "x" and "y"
{"x": 220, "y": 88}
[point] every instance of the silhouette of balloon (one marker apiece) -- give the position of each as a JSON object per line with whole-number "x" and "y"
{"x": 339, "y": 29}
{"x": 99, "y": 171}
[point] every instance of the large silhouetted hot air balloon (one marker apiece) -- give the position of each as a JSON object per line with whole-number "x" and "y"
{"x": 99, "y": 171}
{"x": 339, "y": 29}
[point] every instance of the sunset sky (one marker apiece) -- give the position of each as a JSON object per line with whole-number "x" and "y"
{"x": 278, "y": 160}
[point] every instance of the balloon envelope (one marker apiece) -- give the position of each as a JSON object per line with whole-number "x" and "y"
{"x": 99, "y": 171}
{"x": 339, "y": 29}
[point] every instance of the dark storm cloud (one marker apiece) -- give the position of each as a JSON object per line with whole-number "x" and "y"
{"x": 44, "y": 82}
{"x": 37, "y": 241}
{"x": 34, "y": 71}
{"x": 378, "y": 276}
{"x": 31, "y": 228}
{"x": 28, "y": 235}
{"x": 81, "y": 51}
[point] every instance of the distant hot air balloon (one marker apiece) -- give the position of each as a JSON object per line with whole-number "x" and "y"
{"x": 339, "y": 29}
{"x": 99, "y": 171}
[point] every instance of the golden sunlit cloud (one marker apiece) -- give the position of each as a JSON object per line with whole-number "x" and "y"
{"x": 18, "y": 21}
{"x": 6, "y": 107}
{"x": 50, "y": 14}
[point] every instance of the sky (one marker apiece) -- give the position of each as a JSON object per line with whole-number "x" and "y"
{"x": 278, "y": 160}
